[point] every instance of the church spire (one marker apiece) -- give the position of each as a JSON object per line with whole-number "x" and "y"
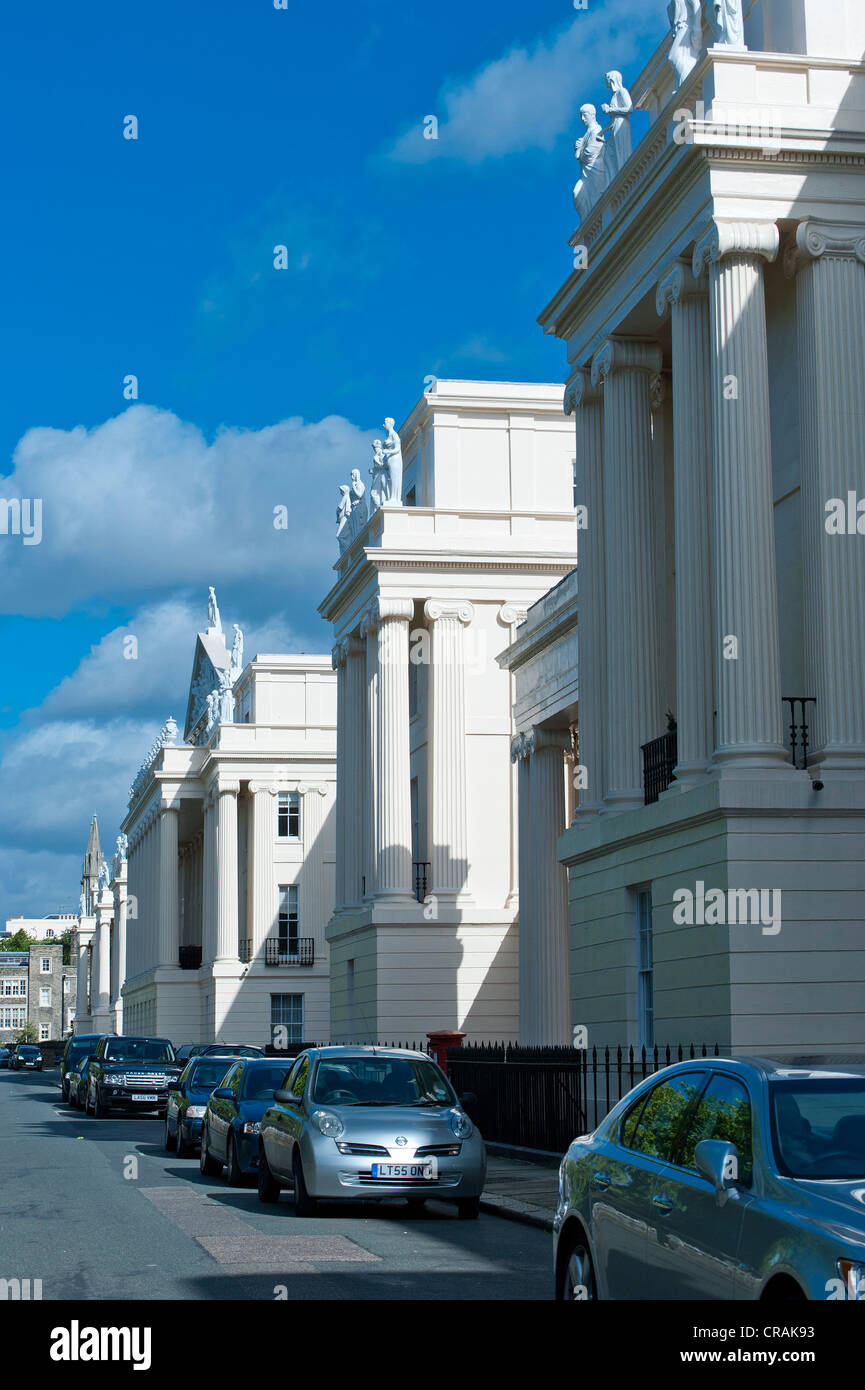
{"x": 92, "y": 864}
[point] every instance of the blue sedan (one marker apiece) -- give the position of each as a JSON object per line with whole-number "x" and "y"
{"x": 232, "y": 1122}
{"x": 187, "y": 1102}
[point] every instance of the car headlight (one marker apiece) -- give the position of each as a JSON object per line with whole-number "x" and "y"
{"x": 328, "y": 1124}
{"x": 460, "y": 1124}
{"x": 252, "y": 1127}
{"x": 196, "y": 1112}
{"x": 853, "y": 1274}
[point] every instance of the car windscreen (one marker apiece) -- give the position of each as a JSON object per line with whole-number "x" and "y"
{"x": 380, "y": 1080}
{"x": 818, "y": 1127}
{"x": 28, "y": 1052}
{"x": 208, "y": 1075}
{"x": 261, "y": 1082}
{"x": 232, "y": 1051}
{"x": 139, "y": 1050}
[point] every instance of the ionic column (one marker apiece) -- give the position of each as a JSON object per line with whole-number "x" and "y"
{"x": 587, "y": 403}
{"x": 100, "y": 987}
{"x": 830, "y": 310}
{"x": 209, "y": 872}
{"x": 312, "y": 920}
{"x": 264, "y": 905}
{"x": 544, "y": 972}
{"x": 354, "y": 828}
{"x": 81, "y": 1007}
{"x": 521, "y": 746}
{"x": 745, "y": 599}
{"x": 692, "y": 452}
{"x": 121, "y": 911}
{"x": 626, "y": 367}
{"x": 338, "y": 662}
{"x": 226, "y": 905}
{"x": 511, "y": 615}
{"x": 447, "y": 731}
{"x": 169, "y": 887}
{"x": 369, "y": 637}
{"x": 392, "y": 765}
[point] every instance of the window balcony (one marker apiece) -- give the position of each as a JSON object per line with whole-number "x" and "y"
{"x": 659, "y": 759}
{"x": 420, "y": 878}
{"x": 290, "y": 950}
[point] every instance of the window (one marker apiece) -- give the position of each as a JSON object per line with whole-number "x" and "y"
{"x": 286, "y": 1011}
{"x": 45, "y": 997}
{"x": 14, "y": 987}
{"x": 44, "y": 1032}
{"x": 645, "y": 973}
{"x": 576, "y": 487}
{"x": 49, "y": 934}
{"x": 289, "y": 816}
{"x": 46, "y": 965}
{"x": 657, "y": 1133}
{"x": 724, "y": 1112}
{"x": 288, "y": 922}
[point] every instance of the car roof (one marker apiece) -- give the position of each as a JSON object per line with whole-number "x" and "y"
{"x": 364, "y": 1050}
{"x": 775, "y": 1068}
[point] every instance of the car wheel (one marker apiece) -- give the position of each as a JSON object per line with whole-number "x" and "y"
{"x": 468, "y": 1208}
{"x": 208, "y": 1165}
{"x": 576, "y": 1282}
{"x": 304, "y": 1205}
{"x": 235, "y": 1172}
{"x": 180, "y": 1145}
{"x": 99, "y": 1111}
{"x": 168, "y": 1139}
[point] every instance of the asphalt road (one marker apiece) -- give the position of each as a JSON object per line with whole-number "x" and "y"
{"x": 97, "y": 1210}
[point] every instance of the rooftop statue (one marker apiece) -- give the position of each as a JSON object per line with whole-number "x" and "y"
{"x": 589, "y": 153}
{"x": 619, "y": 108}
{"x": 213, "y": 619}
{"x": 724, "y": 18}
{"x": 392, "y": 451}
{"x": 225, "y": 697}
{"x": 343, "y": 516}
{"x": 686, "y": 23}
{"x": 212, "y": 709}
{"x": 121, "y": 848}
{"x": 379, "y": 488}
{"x": 104, "y": 876}
{"x": 237, "y": 652}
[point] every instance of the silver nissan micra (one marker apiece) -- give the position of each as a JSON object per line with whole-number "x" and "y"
{"x": 369, "y": 1123}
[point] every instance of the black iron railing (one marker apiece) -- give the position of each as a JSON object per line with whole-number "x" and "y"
{"x": 245, "y": 949}
{"x": 659, "y": 759}
{"x": 189, "y": 957}
{"x": 289, "y": 950}
{"x": 797, "y": 727}
{"x": 420, "y": 878}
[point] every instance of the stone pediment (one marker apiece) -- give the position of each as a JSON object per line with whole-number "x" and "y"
{"x": 210, "y": 660}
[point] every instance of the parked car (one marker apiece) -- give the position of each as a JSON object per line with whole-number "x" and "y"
{"x": 369, "y": 1123}
{"x": 719, "y": 1179}
{"x": 232, "y": 1050}
{"x": 76, "y": 1089}
{"x": 187, "y": 1051}
{"x": 5, "y": 1056}
{"x": 187, "y": 1101}
{"x": 26, "y": 1057}
{"x": 232, "y": 1119}
{"x": 78, "y": 1047}
{"x": 131, "y": 1074}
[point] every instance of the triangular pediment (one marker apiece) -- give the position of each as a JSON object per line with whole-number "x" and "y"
{"x": 210, "y": 660}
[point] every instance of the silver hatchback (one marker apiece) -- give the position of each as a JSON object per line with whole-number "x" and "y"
{"x": 720, "y": 1179}
{"x": 369, "y": 1123}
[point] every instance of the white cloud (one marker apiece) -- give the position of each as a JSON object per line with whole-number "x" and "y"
{"x": 530, "y": 96}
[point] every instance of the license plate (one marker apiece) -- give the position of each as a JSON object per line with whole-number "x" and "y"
{"x": 403, "y": 1170}
{"x": 150, "y": 1097}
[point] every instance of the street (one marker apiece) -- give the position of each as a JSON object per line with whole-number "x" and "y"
{"x": 96, "y": 1209}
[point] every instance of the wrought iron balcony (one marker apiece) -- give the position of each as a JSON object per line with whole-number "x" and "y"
{"x": 797, "y": 711}
{"x": 289, "y": 950}
{"x": 245, "y": 950}
{"x": 420, "y": 878}
{"x": 659, "y": 759}
{"x": 189, "y": 957}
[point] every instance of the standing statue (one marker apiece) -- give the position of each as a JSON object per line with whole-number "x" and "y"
{"x": 225, "y": 697}
{"x": 82, "y": 906}
{"x": 212, "y": 709}
{"x": 619, "y": 107}
{"x": 121, "y": 848}
{"x": 343, "y": 514}
{"x": 724, "y": 18}
{"x": 104, "y": 877}
{"x": 237, "y": 651}
{"x": 379, "y": 488}
{"x": 686, "y": 24}
{"x": 359, "y": 504}
{"x": 213, "y": 619}
{"x": 589, "y": 153}
{"x": 392, "y": 451}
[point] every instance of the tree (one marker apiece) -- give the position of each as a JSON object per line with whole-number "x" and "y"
{"x": 27, "y": 1034}
{"x": 19, "y": 942}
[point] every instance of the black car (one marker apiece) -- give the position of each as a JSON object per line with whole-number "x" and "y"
{"x": 187, "y": 1101}
{"x": 5, "y": 1056}
{"x": 79, "y": 1046}
{"x": 185, "y": 1053}
{"x": 231, "y": 1050}
{"x": 76, "y": 1084}
{"x": 130, "y": 1074}
{"x": 26, "y": 1058}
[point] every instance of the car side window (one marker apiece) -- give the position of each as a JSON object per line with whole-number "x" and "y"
{"x": 229, "y": 1079}
{"x": 236, "y": 1080}
{"x": 724, "y": 1112}
{"x": 629, "y": 1123}
{"x": 297, "y": 1082}
{"x": 659, "y": 1125}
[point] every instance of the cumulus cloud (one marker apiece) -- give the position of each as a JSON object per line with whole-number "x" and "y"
{"x": 529, "y": 97}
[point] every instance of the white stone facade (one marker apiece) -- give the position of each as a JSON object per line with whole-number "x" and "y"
{"x": 427, "y": 592}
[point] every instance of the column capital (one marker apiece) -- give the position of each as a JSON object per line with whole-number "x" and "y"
{"x": 338, "y": 655}
{"x": 227, "y": 787}
{"x": 580, "y": 391}
{"x": 658, "y": 389}
{"x": 268, "y": 788}
{"x": 434, "y": 609}
{"x": 546, "y": 740}
{"x": 512, "y": 614}
{"x": 677, "y": 284}
{"x": 169, "y": 801}
{"x": 814, "y": 240}
{"x": 521, "y": 747}
{"x": 725, "y": 238}
{"x": 305, "y": 789}
{"x": 626, "y": 354}
{"x": 391, "y": 610}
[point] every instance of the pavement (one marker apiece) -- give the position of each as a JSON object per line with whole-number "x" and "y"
{"x": 521, "y": 1190}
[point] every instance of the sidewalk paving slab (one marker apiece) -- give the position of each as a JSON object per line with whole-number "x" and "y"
{"x": 521, "y": 1190}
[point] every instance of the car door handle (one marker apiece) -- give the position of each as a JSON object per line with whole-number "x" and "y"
{"x": 600, "y": 1181}
{"x": 663, "y": 1204}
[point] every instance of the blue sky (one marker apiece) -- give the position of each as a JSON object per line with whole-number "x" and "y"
{"x": 406, "y": 257}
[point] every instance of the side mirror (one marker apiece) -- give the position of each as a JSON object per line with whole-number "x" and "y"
{"x": 286, "y": 1097}
{"x": 718, "y": 1162}
{"x": 223, "y": 1093}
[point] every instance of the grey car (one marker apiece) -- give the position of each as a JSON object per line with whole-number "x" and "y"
{"x": 369, "y": 1123}
{"x": 720, "y": 1179}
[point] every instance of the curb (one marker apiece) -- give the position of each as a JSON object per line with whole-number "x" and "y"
{"x": 512, "y": 1210}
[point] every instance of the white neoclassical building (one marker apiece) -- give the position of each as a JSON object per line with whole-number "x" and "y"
{"x": 471, "y": 520}
{"x": 715, "y": 329}
{"x": 210, "y": 922}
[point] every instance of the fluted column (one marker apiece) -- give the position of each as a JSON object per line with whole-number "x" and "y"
{"x": 83, "y": 961}
{"x": 830, "y": 309}
{"x": 169, "y": 887}
{"x": 745, "y": 598}
{"x": 692, "y": 444}
{"x": 544, "y": 966}
{"x": 626, "y": 367}
{"x": 369, "y": 637}
{"x": 338, "y": 662}
{"x": 226, "y": 907}
{"x": 264, "y": 905}
{"x": 100, "y": 984}
{"x": 448, "y": 792}
{"x": 392, "y": 766}
{"x": 587, "y": 403}
{"x": 209, "y": 872}
{"x": 521, "y": 745}
{"x": 354, "y": 829}
{"x": 511, "y": 615}
{"x": 312, "y": 922}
